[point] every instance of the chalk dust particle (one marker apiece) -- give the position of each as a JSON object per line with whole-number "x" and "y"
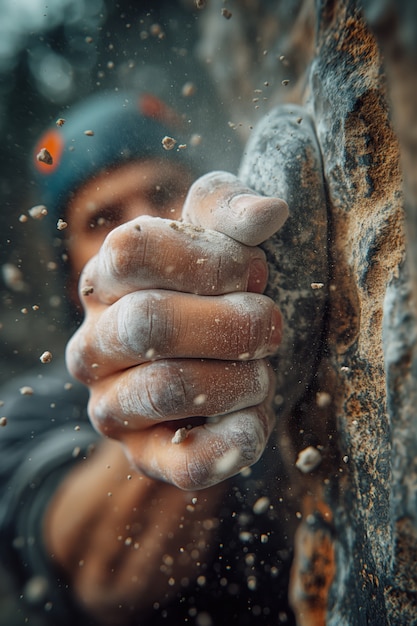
{"x": 60, "y": 121}
{"x": 87, "y": 290}
{"x": 46, "y": 357}
{"x": 89, "y": 133}
{"x": 261, "y": 505}
{"x": 200, "y": 399}
{"x": 308, "y": 459}
{"x": 38, "y": 212}
{"x": 180, "y": 435}
{"x": 203, "y": 619}
{"x": 44, "y": 156}
{"x": 26, "y": 390}
{"x": 323, "y": 399}
{"x": 3, "y": 421}
{"x": 156, "y": 30}
{"x": 195, "y": 140}
{"x": 13, "y": 277}
{"x": 61, "y": 224}
{"x": 168, "y": 143}
{"x": 188, "y": 89}
{"x": 226, "y": 14}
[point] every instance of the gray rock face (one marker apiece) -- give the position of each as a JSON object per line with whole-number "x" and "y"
{"x": 375, "y": 517}
{"x": 400, "y": 341}
{"x": 283, "y": 159}
{"x": 346, "y": 383}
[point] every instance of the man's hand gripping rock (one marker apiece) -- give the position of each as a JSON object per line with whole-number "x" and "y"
{"x": 176, "y": 338}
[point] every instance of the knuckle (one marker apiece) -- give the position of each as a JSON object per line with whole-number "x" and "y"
{"x": 235, "y": 441}
{"x": 132, "y": 323}
{"x": 262, "y": 381}
{"x": 121, "y": 245}
{"x": 258, "y": 327}
{"x": 195, "y": 471}
{"x": 145, "y": 323}
{"x": 153, "y": 392}
{"x": 249, "y": 439}
{"x": 101, "y": 415}
{"x": 165, "y": 392}
{"x": 79, "y": 356}
{"x": 246, "y": 433}
{"x": 97, "y": 410}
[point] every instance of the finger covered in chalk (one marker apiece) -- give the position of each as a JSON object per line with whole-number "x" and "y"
{"x": 221, "y": 202}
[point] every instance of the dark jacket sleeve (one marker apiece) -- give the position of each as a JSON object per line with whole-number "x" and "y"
{"x": 46, "y": 433}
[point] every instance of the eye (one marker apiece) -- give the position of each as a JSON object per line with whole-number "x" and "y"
{"x": 164, "y": 197}
{"x": 105, "y": 218}
{"x": 160, "y": 195}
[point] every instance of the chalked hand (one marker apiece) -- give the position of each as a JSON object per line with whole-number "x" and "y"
{"x": 175, "y": 343}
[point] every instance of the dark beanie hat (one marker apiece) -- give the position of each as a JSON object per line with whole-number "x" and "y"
{"x": 102, "y": 132}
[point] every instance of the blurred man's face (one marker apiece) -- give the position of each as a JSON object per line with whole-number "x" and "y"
{"x": 151, "y": 187}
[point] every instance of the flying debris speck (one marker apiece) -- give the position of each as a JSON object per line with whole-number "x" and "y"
{"x": 169, "y": 143}
{"x": 46, "y": 357}
{"x": 44, "y": 156}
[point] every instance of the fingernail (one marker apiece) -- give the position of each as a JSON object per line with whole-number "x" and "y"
{"x": 262, "y": 217}
{"x": 246, "y": 203}
{"x": 258, "y": 276}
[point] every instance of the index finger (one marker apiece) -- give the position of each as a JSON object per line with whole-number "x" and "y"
{"x": 221, "y": 202}
{"x": 153, "y": 253}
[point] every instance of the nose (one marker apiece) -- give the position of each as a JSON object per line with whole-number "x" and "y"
{"x": 136, "y": 209}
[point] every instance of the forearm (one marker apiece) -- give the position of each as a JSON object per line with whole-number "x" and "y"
{"x": 125, "y": 541}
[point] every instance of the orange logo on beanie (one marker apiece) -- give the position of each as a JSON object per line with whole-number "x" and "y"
{"x": 48, "y": 152}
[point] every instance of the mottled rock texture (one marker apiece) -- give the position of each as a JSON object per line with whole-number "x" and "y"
{"x": 361, "y": 169}
{"x": 283, "y": 159}
{"x": 356, "y": 545}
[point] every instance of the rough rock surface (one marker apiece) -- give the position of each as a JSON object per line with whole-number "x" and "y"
{"x": 283, "y": 159}
{"x": 356, "y": 544}
{"x": 361, "y": 164}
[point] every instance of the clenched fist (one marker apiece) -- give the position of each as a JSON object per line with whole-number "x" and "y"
{"x": 177, "y": 333}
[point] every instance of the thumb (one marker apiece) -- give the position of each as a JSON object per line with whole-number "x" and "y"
{"x": 220, "y": 201}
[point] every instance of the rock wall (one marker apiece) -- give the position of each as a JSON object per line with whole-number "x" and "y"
{"x": 356, "y": 541}
{"x": 361, "y": 164}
